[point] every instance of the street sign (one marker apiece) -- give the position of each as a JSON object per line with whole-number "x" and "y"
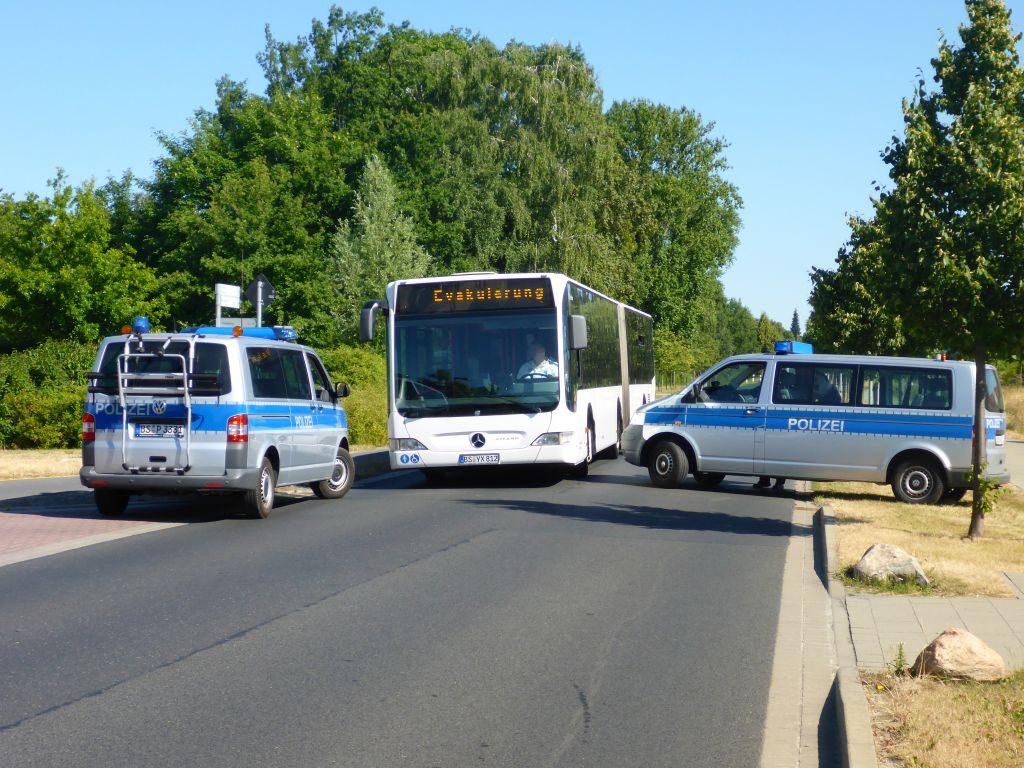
{"x": 261, "y": 285}
{"x": 231, "y": 322}
{"x": 260, "y": 292}
{"x": 228, "y": 296}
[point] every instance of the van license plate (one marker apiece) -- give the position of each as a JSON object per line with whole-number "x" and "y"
{"x": 159, "y": 430}
{"x": 479, "y": 458}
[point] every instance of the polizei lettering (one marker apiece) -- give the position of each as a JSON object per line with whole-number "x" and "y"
{"x": 816, "y": 425}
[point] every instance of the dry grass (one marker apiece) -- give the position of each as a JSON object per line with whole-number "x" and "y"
{"x": 868, "y": 514}
{"x": 1013, "y": 398}
{"x": 19, "y": 465}
{"x": 931, "y": 723}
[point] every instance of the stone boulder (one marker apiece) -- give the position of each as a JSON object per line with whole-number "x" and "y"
{"x": 885, "y": 562}
{"x": 959, "y": 654}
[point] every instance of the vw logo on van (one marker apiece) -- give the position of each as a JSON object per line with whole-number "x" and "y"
{"x": 159, "y": 406}
{"x": 478, "y": 440}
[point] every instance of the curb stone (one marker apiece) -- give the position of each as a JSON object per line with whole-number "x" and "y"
{"x": 856, "y": 740}
{"x": 371, "y": 463}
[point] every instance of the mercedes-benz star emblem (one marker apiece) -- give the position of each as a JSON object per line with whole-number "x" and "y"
{"x": 478, "y": 440}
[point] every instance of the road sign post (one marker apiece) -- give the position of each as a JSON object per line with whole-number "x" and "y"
{"x": 260, "y": 292}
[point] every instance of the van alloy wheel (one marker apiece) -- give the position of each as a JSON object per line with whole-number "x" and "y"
{"x": 342, "y": 476}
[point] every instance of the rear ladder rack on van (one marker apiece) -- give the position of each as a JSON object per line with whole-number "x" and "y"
{"x": 146, "y": 384}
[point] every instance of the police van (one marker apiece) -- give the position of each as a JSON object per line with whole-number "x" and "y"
{"x": 212, "y": 409}
{"x": 907, "y": 422}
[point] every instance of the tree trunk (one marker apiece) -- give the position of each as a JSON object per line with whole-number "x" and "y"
{"x": 978, "y": 457}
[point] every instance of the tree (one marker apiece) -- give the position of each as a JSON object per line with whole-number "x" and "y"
{"x": 59, "y": 277}
{"x": 377, "y": 247}
{"x": 766, "y": 333}
{"x": 952, "y": 227}
{"x": 794, "y": 326}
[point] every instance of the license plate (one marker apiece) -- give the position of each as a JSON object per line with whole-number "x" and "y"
{"x": 159, "y": 430}
{"x": 479, "y": 458}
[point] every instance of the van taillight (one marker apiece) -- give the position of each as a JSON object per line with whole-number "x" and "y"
{"x": 88, "y": 428}
{"x": 238, "y": 429}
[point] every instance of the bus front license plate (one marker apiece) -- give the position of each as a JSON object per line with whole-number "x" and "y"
{"x": 479, "y": 458}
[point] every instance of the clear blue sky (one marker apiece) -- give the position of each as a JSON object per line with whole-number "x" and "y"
{"x": 806, "y": 92}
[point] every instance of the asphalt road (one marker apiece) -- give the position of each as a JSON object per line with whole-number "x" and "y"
{"x": 503, "y": 620}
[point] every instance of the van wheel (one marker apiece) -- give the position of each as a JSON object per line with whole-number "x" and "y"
{"x": 708, "y": 479}
{"x": 667, "y": 464}
{"x": 260, "y": 500}
{"x": 953, "y": 495}
{"x": 341, "y": 479}
{"x": 918, "y": 481}
{"x": 110, "y": 503}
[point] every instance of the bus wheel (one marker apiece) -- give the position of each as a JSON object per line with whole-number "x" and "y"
{"x": 918, "y": 481}
{"x": 667, "y": 464}
{"x": 708, "y": 479}
{"x": 342, "y": 476}
{"x": 260, "y": 500}
{"x": 110, "y": 502}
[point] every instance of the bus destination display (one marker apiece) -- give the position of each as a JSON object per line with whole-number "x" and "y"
{"x": 474, "y": 296}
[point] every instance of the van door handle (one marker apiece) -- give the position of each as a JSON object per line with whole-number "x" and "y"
{"x": 752, "y": 410}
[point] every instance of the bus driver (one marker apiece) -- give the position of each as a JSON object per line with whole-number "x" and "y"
{"x": 538, "y": 365}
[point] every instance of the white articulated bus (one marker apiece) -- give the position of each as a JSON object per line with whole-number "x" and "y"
{"x": 509, "y": 369}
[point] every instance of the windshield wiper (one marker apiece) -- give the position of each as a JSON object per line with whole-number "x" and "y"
{"x": 525, "y": 407}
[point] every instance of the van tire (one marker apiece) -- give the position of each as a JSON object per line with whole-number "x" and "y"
{"x": 918, "y": 481}
{"x": 260, "y": 500}
{"x": 708, "y": 479}
{"x": 341, "y": 479}
{"x": 110, "y": 503}
{"x": 667, "y": 464}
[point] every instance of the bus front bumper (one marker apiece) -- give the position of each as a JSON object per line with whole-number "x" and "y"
{"x": 426, "y": 459}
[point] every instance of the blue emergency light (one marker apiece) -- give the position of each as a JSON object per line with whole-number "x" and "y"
{"x": 140, "y": 324}
{"x": 277, "y": 332}
{"x": 793, "y": 348}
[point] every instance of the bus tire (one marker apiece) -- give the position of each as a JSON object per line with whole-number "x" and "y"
{"x": 708, "y": 479}
{"x": 614, "y": 450}
{"x": 667, "y": 464}
{"x": 918, "y": 481}
{"x": 259, "y": 501}
{"x": 342, "y": 476}
{"x": 110, "y": 503}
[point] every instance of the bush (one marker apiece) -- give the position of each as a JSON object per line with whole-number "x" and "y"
{"x": 42, "y": 391}
{"x": 367, "y": 407}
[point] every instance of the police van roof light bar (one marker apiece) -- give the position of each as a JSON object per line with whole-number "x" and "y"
{"x": 793, "y": 348}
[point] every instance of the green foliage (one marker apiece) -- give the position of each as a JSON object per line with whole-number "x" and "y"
{"x": 380, "y": 246}
{"x": 794, "y": 326}
{"x": 42, "y": 391}
{"x": 59, "y": 277}
{"x": 366, "y": 407}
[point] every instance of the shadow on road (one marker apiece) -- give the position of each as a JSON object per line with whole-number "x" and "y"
{"x": 185, "y": 508}
{"x": 656, "y": 518}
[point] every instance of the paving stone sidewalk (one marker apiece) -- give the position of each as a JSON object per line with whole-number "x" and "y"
{"x": 879, "y": 623}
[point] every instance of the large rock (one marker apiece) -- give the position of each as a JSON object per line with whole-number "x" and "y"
{"x": 957, "y": 653}
{"x": 884, "y": 562}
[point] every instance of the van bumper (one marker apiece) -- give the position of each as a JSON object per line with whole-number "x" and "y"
{"x": 633, "y": 443}
{"x": 958, "y": 478}
{"x": 169, "y": 482}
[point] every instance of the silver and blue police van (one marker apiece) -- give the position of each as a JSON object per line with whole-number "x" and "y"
{"x": 907, "y": 422}
{"x": 213, "y": 410}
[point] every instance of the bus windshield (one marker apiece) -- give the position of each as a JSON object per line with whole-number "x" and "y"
{"x": 476, "y": 363}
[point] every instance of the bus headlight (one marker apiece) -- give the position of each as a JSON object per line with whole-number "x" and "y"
{"x": 554, "y": 438}
{"x": 406, "y": 444}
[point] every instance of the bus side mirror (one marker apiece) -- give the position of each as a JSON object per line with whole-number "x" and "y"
{"x": 368, "y": 319}
{"x": 578, "y": 332}
{"x": 341, "y": 389}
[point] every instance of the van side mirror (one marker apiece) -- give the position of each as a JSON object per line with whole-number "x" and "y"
{"x": 368, "y": 319}
{"x": 578, "y": 332}
{"x": 342, "y": 389}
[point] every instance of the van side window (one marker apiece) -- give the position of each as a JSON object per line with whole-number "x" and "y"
{"x": 321, "y": 384}
{"x": 295, "y": 376}
{"x": 925, "y": 388}
{"x": 265, "y": 371}
{"x": 735, "y": 383}
{"x": 806, "y": 384}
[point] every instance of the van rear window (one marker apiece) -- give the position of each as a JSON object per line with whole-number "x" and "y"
{"x": 993, "y": 392}
{"x": 924, "y": 388}
{"x": 210, "y": 359}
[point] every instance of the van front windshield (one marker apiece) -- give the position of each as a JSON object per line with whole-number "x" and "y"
{"x": 475, "y": 363}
